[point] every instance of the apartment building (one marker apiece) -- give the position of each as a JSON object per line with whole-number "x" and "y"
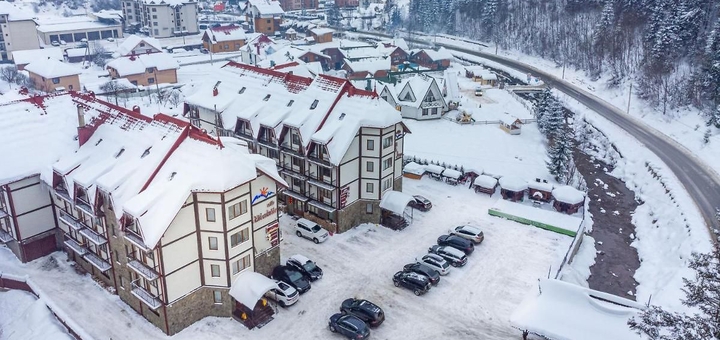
{"x": 265, "y": 16}
{"x": 338, "y": 148}
{"x": 162, "y": 18}
{"x": 17, "y": 30}
{"x": 164, "y": 213}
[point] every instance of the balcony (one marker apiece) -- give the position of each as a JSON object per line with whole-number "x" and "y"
{"x": 292, "y": 150}
{"x": 71, "y": 221}
{"x": 97, "y": 262}
{"x": 76, "y": 247}
{"x": 63, "y": 193}
{"x": 320, "y": 161}
{"x": 136, "y": 240}
{"x": 150, "y": 299}
{"x": 143, "y": 270}
{"x": 321, "y": 185}
{"x": 269, "y": 142}
{"x": 5, "y": 237}
{"x": 93, "y": 236}
{"x": 84, "y": 206}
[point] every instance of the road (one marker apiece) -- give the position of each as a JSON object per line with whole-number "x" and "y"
{"x": 700, "y": 181}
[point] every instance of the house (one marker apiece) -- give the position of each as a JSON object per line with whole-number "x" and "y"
{"x": 265, "y": 16}
{"x": 568, "y": 199}
{"x": 540, "y": 190}
{"x": 24, "y": 57}
{"x": 18, "y": 30}
{"x": 27, "y": 218}
{"x": 367, "y": 68}
{"x": 510, "y": 124}
{"x": 135, "y": 44}
{"x": 485, "y": 184}
{"x": 481, "y": 75}
{"x": 296, "y": 5}
{"x": 322, "y": 35}
{"x": 77, "y": 29}
{"x": 418, "y": 97}
{"x": 432, "y": 59}
{"x": 228, "y": 38}
{"x": 512, "y": 188}
{"x": 295, "y": 53}
{"x": 165, "y": 214}
{"x": 50, "y": 75}
{"x": 146, "y": 69}
{"x": 258, "y": 47}
{"x": 396, "y": 49}
{"x": 338, "y": 147}
{"x": 161, "y": 18}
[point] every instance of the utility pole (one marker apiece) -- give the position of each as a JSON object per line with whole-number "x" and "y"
{"x": 629, "y": 98}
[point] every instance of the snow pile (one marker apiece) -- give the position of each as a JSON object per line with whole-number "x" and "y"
{"x": 414, "y": 168}
{"x": 25, "y": 317}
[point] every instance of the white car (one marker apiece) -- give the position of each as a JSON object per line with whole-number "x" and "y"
{"x": 469, "y": 232}
{"x": 285, "y": 296}
{"x": 435, "y": 262}
{"x": 311, "y": 230}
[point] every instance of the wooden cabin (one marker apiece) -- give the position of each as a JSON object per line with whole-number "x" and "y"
{"x": 510, "y": 124}
{"x": 413, "y": 170}
{"x": 568, "y": 199}
{"x": 540, "y": 190}
{"x": 485, "y": 184}
{"x": 513, "y": 188}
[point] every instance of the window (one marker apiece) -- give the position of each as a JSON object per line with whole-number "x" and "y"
{"x": 154, "y": 9}
{"x": 237, "y": 209}
{"x": 215, "y": 270}
{"x": 117, "y": 256}
{"x": 369, "y": 166}
{"x": 122, "y": 282}
{"x": 387, "y": 142}
{"x": 156, "y": 31}
{"x": 296, "y": 162}
{"x": 70, "y": 87}
{"x": 368, "y": 208}
{"x": 142, "y": 44}
{"x": 210, "y": 214}
{"x": 296, "y": 139}
{"x": 266, "y": 97}
{"x": 296, "y": 182}
{"x": 325, "y": 172}
{"x": 154, "y": 16}
{"x": 149, "y": 70}
{"x": 151, "y": 80}
{"x": 226, "y": 46}
{"x": 387, "y": 163}
{"x": 154, "y": 23}
{"x": 114, "y": 232}
{"x": 217, "y": 297}
{"x": 237, "y": 45}
{"x": 213, "y": 242}
{"x": 267, "y": 21}
{"x": 239, "y": 237}
{"x": 386, "y": 184}
{"x": 241, "y": 264}
{"x": 370, "y": 144}
{"x": 56, "y": 80}
{"x": 425, "y": 112}
{"x": 434, "y": 111}
{"x": 314, "y": 104}
{"x": 369, "y": 187}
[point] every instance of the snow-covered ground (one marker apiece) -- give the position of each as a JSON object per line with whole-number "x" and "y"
{"x": 23, "y": 317}
{"x": 473, "y": 302}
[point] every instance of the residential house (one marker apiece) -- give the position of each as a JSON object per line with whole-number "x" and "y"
{"x": 338, "y": 147}
{"x": 146, "y": 69}
{"x": 418, "y": 97}
{"x": 432, "y": 59}
{"x": 50, "y": 75}
{"x": 296, "y": 5}
{"x": 259, "y": 46}
{"x": 161, "y": 18}
{"x": 265, "y": 16}
{"x": 135, "y": 44}
{"x": 24, "y": 57}
{"x": 224, "y": 38}
{"x": 321, "y": 35}
{"x": 367, "y": 68}
{"x": 77, "y": 29}
{"x": 165, "y": 214}
{"x": 481, "y": 75}
{"x": 17, "y": 30}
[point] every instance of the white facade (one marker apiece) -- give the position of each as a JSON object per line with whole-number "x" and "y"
{"x": 17, "y": 35}
{"x": 418, "y": 97}
{"x": 162, "y": 19}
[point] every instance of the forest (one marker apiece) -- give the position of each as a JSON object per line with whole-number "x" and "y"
{"x": 669, "y": 49}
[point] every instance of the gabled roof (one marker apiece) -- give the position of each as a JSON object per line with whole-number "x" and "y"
{"x": 321, "y": 31}
{"x": 440, "y": 54}
{"x": 267, "y": 7}
{"x": 132, "y": 42}
{"x": 224, "y": 33}
{"x": 28, "y": 56}
{"x": 50, "y": 68}
{"x": 137, "y": 64}
{"x": 419, "y": 86}
{"x": 369, "y": 65}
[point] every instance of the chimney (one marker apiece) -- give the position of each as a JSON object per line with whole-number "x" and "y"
{"x": 81, "y": 116}
{"x": 84, "y": 131}
{"x": 215, "y": 91}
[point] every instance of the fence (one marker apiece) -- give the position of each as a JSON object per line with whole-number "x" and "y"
{"x": 574, "y": 247}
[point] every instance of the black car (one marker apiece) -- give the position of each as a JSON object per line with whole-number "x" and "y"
{"x": 423, "y": 270}
{"x": 421, "y": 203}
{"x": 417, "y": 283}
{"x": 364, "y": 310}
{"x": 349, "y": 325}
{"x": 305, "y": 266}
{"x": 456, "y": 257}
{"x": 456, "y": 242}
{"x": 292, "y": 277}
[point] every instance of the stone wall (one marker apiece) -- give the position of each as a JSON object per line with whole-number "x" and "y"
{"x": 195, "y": 306}
{"x": 355, "y": 214}
{"x": 397, "y": 184}
{"x": 265, "y": 263}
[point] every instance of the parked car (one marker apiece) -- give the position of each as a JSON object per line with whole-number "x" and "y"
{"x": 365, "y": 310}
{"x": 292, "y": 277}
{"x": 478, "y": 91}
{"x": 204, "y": 50}
{"x": 456, "y": 257}
{"x": 55, "y": 43}
{"x": 303, "y": 264}
{"x": 349, "y": 325}
{"x": 311, "y": 230}
{"x": 417, "y": 283}
{"x": 421, "y": 203}
{"x": 110, "y": 39}
{"x": 456, "y": 242}
{"x": 62, "y": 42}
{"x": 436, "y": 262}
{"x": 285, "y": 296}
{"x": 432, "y": 275}
{"x": 469, "y": 232}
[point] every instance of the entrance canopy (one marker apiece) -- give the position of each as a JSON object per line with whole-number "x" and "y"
{"x": 249, "y": 287}
{"x": 395, "y": 201}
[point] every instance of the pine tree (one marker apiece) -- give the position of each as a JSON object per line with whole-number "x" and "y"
{"x": 560, "y": 157}
{"x": 553, "y": 120}
{"x": 541, "y": 108}
{"x": 706, "y": 137}
{"x": 701, "y": 294}
{"x": 714, "y": 118}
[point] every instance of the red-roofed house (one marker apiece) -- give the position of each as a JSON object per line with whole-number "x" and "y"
{"x": 432, "y": 59}
{"x": 224, "y": 38}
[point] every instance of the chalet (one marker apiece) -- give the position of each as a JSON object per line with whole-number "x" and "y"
{"x": 136, "y": 45}
{"x": 165, "y": 214}
{"x": 24, "y": 57}
{"x": 294, "y": 53}
{"x": 568, "y": 199}
{"x": 512, "y": 188}
{"x": 145, "y": 69}
{"x": 432, "y": 59}
{"x": 322, "y": 35}
{"x": 418, "y": 97}
{"x": 485, "y": 184}
{"x": 224, "y": 38}
{"x": 510, "y": 124}
{"x": 396, "y": 49}
{"x": 339, "y": 148}
{"x": 540, "y": 190}
{"x": 265, "y": 16}
{"x": 50, "y": 75}
{"x": 367, "y": 68}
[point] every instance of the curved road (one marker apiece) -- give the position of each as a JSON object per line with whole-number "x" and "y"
{"x": 701, "y": 182}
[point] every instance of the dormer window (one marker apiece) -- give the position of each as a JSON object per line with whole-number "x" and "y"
{"x": 147, "y": 152}
{"x": 242, "y": 90}
{"x": 342, "y": 115}
{"x": 314, "y": 104}
{"x": 120, "y": 153}
{"x": 98, "y": 142}
{"x": 290, "y": 102}
{"x": 266, "y": 98}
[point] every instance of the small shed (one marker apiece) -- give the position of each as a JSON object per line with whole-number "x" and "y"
{"x": 393, "y": 214}
{"x": 485, "y": 184}
{"x": 540, "y": 190}
{"x": 512, "y": 188}
{"x": 452, "y": 176}
{"x": 568, "y": 199}
{"x": 510, "y": 124}
{"x": 247, "y": 292}
{"x": 413, "y": 170}
{"x": 435, "y": 171}
{"x": 469, "y": 175}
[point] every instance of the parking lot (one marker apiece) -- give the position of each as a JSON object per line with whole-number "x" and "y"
{"x": 472, "y": 302}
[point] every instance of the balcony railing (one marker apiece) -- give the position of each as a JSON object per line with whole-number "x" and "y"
{"x": 84, "y": 206}
{"x": 97, "y": 262}
{"x": 143, "y": 270}
{"x": 136, "y": 239}
{"x": 5, "y": 237}
{"x": 432, "y": 104}
{"x": 293, "y": 150}
{"x": 93, "y": 236}
{"x": 270, "y": 142}
{"x": 320, "y": 160}
{"x": 71, "y": 221}
{"x": 76, "y": 247}
{"x": 63, "y": 193}
{"x": 3, "y": 214}
{"x": 150, "y": 299}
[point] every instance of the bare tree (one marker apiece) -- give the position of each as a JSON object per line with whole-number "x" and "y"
{"x": 174, "y": 98}
{"x": 112, "y": 86}
{"x": 9, "y": 74}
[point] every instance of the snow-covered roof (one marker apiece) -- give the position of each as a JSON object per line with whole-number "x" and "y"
{"x": 414, "y": 168}
{"x": 321, "y": 31}
{"x": 451, "y": 85}
{"x": 544, "y": 186}
{"x": 75, "y": 52}
{"x": 436, "y": 169}
{"x": 50, "y": 68}
{"x": 225, "y": 33}
{"x": 14, "y": 12}
{"x": 485, "y": 181}
{"x": 132, "y": 41}
{"x": 140, "y": 63}
{"x": 513, "y": 183}
{"x": 452, "y": 173}
{"x": 168, "y": 2}
{"x": 419, "y": 85}
{"x": 395, "y": 201}
{"x": 440, "y": 54}
{"x": 398, "y": 42}
{"x": 370, "y": 65}
{"x": 559, "y": 310}
{"x": 508, "y": 119}
{"x": 59, "y": 25}
{"x": 250, "y": 286}
{"x": 27, "y": 56}
{"x": 267, "y": 7}
{"x": 568, "y": 194}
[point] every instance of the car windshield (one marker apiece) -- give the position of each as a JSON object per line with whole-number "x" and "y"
{"x": 316, "y": 228}
{"x": 444, "y": 265}
{"x": 294, "y": 276}
{"x": 283, "y": 285}
{"x": 309, "y": 266}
